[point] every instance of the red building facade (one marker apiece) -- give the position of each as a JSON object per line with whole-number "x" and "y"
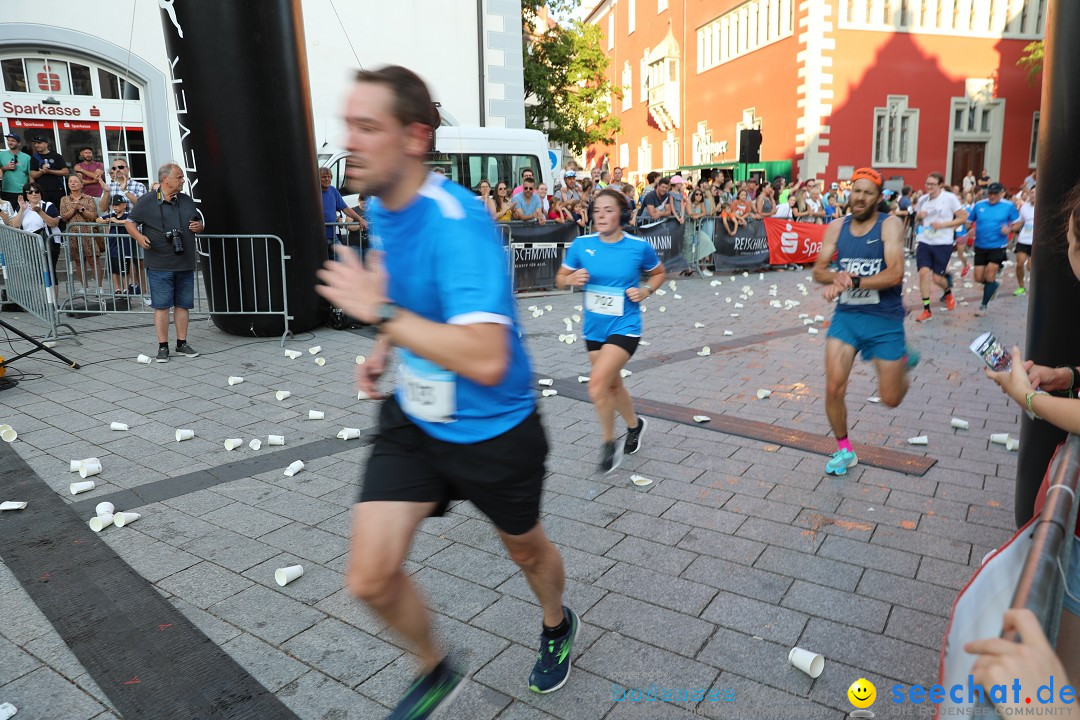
{"x": 908, "y": 86}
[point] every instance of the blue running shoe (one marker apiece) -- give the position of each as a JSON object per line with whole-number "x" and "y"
{"x": 911, "y": 358}
{"x": 429, "y": 693}
{"x": 840, "y": 462}
{"x": 553, "y": 664}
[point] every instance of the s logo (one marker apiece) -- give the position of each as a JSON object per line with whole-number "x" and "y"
{"x": 789, "y": 240}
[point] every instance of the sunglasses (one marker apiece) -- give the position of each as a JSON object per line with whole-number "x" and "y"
{"x": 33, "y": 192}
{"x": 119, "y": 167}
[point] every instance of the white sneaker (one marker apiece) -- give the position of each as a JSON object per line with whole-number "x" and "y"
{"x": 706, "y": 272}
{"x": 146, "y": 301}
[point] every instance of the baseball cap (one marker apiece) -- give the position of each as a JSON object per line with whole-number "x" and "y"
{"x": 14, "y": 137}
{"x": 677, "y": 180}
{"x": 570, "y": 173}
{"x": 888, "y": 193}
{"x": 834, "y": 186}
{"x": 995, "y": 187}
{"x": 39, "y": 138}
{"x": 117, "y": 199}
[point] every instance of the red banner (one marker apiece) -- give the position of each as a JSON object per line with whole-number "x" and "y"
{"x": 793, "y": 242}
{"x": 77, "y": 125}
{"x": 32, "y": 124}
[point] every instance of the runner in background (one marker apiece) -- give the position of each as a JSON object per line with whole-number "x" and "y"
{"x": 1024, "y": 240}
{"x": 609, "y": 265}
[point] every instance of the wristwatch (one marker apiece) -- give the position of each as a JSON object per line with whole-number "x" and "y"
{"x": 856, "y": 281}
{"x": 386, "y": 312}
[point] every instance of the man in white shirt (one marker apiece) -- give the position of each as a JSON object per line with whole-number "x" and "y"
{"x": 938, "y": 213}
{"x": 1024, "y": 240}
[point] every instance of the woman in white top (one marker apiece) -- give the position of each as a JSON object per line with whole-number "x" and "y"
{"x": 1024, "y": 240}
{"x": 38, "y": 216}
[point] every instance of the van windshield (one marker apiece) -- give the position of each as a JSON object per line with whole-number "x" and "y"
{"x": 470, "y": 169}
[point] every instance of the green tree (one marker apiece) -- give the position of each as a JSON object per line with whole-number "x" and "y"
{"x": 1033, "y": 59}
{"x": 564, "y": 69}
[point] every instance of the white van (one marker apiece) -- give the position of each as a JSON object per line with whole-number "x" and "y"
{"x": 471, "y": 154}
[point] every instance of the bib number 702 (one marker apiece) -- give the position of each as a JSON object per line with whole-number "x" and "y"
{"x": 420, "y": 393}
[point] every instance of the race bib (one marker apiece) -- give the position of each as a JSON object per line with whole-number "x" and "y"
{"x": 932, "y": 234}
{"x": 859, "y": 297}
{"x": 426, "y": 391}
{"x": 604, "y": 300}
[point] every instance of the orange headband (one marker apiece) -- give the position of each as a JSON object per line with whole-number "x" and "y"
{"x": 868, "y": 173}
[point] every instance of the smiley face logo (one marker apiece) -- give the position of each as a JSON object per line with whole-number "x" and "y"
{"x": 862, "y": 693}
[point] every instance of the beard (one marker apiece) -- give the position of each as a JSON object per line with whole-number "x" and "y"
{"x": 863, "y": 215}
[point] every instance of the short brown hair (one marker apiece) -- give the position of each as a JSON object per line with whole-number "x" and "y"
{"x": 412, "y": 100}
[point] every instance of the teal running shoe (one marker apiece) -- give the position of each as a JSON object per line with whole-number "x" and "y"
{"x": 429, "y": 693}
{"x": 553, "y": 663}
{"x": 911, "y": 358}
{"x": 840, "y": 462}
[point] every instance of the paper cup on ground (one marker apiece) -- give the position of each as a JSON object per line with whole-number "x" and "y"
{"x": 809, "y": 662}
{"x": 284, "y": 576}
{"x": 999, "y": 438}
{"x": 74, "y": 465}
{"x": 547, "y": 382}
{"x": 1012, "y": 444}
{"x": 959, "y": 424}
{"x": 920, "y": 440}
{"x": 583, "y": 378}
{"x": 81, "y": 487}
{"x": 144, "y": 359}
{"x": 118, "y": 426}
{"x": 640, "y": 480}
{"x": 11, "y": 505}
{"x": 294, "y": 468}
{"x": 99, "y": 523}
{"x": 320, "y": 361}
{"x": 763, "y": 393}
{"x": 293, "y": 354}
{"x": 275, "y": 439}
{"x": 811, "y": 331}
{"x": 315, "y": 415}
{"x": 360, "y": 359}
{"x": 121, "y": 519}
{"x": 282, "y": 394}
{"x": 8, "y": 434}
{"x": 255, "y": 444}
{"x": 235, "y": 379}
{"x": 104, "y": 507}
{"x": 349, "y": 433}
{"x": 184, "y": 434}
{"x": 89, "y": 467}
{"x": 702, "y": 418}
{"x": 550, "y": 392}
{"x": 233, "y": 443}
{"x": 315, "y": 350}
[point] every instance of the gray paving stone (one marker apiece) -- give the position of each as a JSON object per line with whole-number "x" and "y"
{"x": 577, "y": 595}
{"x": 760, "y": 660}
{"x": 230, "y": 550}
{"x": 341, "y": 651}
{"x": 723, "y": 546}
{"x": 674, "y": 593}
{"x": 650, "y": 624}
{"x": 316, "y": 584}
{"x": 269, "y": 666}
{"x": 814, "y": 568}
{"x": 754, "y": 617}
{"x": 841, "y": 606}
{"x": 314, "y": 696}
{"x": 751, "y": 699}
{"x": 267, "y": 614}
{"x": 772, "y": 533}
{"x": 473, "y": 565}
{"x": 660, "y": 530}
{"x": 654, "y": 556}
{"x": 736, "y": 578}
{"x": 583, "y": 566}
{"x": 906, "y": 592}
{"x": 869, "y": 555}
{"x": 453, "y": 596}
{"x": 204, "y": 584}
{"x": 307, "y": 542}
{"x": 45, "y": 695}
{"x": 917, "y": 627}
{"x": 16, "y": 663}
{"x": 872, "y": 652}
{"x": 944, "y": 573}
{"x": 630, "y": 663}
{"x": 691, "y": 492}
{"x": 922, "y": 544}
{"x": 219, "y": 631}
{"x": 298, "y": 506}
{"x": 582, "y": 536}
{"x": 245, "y": 519}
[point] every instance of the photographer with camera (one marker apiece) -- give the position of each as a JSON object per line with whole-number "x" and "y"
{"x": 169, "y": 221}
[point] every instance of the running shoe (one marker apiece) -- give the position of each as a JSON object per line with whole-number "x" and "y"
{"x": 1019, "y": 291}
{"x": 949, "y": 280}
{"x": 840, "y": 462}
{"x": 911, "y": 357}
{"x": 926, "y": 315}
{"x": 163, "y": 354}
{"x": 553, "y": 663}
{"x": 609, "y": 459}
{"x": 429, "y": 693}
{"x": 980, "y": 311}
{"x": 950, "y": 302}
{"x": 185, "y": 349}
{"x": 964, "y": 271}
{"x": 706, "y": 272}
{"x": 633, "y": 437}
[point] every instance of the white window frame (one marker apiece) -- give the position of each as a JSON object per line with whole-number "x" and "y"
{"x": 644, "y": 157}
{"x": 624, "y": 156}
{"x": 1033, "y": 152}
{"x": 627, "y": 86}
{"x": 743, "y": 30}
{"x": 895, "y": 111}
{"x": 661, "y": 6}
{"x": 643, "y": 80}
{"x": 631, "y": 16}
{"x": 1012, "y": 19}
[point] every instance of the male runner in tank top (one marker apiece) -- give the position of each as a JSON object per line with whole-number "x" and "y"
{"x": 869, "y": 249}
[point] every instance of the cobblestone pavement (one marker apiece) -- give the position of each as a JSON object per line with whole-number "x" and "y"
{"x": 736, "y": 552}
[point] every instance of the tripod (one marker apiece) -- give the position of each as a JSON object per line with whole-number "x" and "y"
{"x": 38, "y": 346}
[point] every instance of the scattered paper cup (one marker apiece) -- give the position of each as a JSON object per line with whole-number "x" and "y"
{"x": 812, "y": 330}
{"x": 233, "y": 443}
{"x": 360, "y": 359}
{"x": 361, "y": 395}
{"x": 819, "y": 318}
{"x": 282, "y": 394}
{"x": 702, "y": 418}
{"x": 874, "y": 399}
{"x": 99, "y": 523}
{"x": 89, "y": 467}
{"x": 349, "y": 433}
{"x": 809, "y": 662}
{"x": 1012, "y": 444}
{"x": 728, "y": 333}
{"x": 550, "y": 392}
{"x": 275, "y": 439}
{"x": 118, "y": 426}
{"x": 583, "y": 378}
{"x": 547, "y": 382}
{"x": 763, "y": 393}
{"x": 104, "y": 507}
{"x": 293, "y": 354}
{"x": 920, "y": 440}
{"x": 184, "y": 434}
{"x": 662, "y": 309}
{"x": 699, "y": 325}
{"x": 81, "y": 487}
{"x": 704, "y": 351}
{"x": 626, "y": 373}
{"x": 294, "y": 467}
{"x": 315, "y": 415}
{"x": 315, "y": 350}
{"x": 11, "y": 505}
{"x": 255, "y": 444}
{"x": 575, "y": 318}
{"x": 235, "y": 379}
{"x": 1000, "y": 438}
{"x": 320, "y": 361}
{"x": 959, "y": 424}
{"x": 8, "y": 434}
{"x": 640, "y": 480}
{"x": 548, "y": 308}
{"x": 738, "y": 306}
{"x": 121, "y": 519}
{"x": 284, "y": 576}
{"x": 75, "y": 465}
{"x": 144, "y": 359}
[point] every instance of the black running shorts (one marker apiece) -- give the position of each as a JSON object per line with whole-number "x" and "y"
{"x": 627, "y": 343}
{"x": 503, "y": 477}
{"x": 986, "y": 257}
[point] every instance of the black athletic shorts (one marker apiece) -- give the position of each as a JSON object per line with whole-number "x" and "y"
{"x": 985, "y": 257}
{"x": 503, "y": 477}
{"x": 627, "y": 343}
{"x": 1023, "y": 248}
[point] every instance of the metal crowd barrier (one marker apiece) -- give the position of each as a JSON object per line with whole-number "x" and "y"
{"x": 29, "y": 278}
{"x": 349, "y": 233}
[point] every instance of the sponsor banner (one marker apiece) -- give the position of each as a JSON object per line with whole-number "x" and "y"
{"x": 70, "y": 108}
{"x": 793, "y": 242}
{"x": 538, "y": 252}
{"x": 748, "y": 247}
{"x": 666, "y": 237}
{"x": 77, "y": 125}
{"x": 30, "y": 124}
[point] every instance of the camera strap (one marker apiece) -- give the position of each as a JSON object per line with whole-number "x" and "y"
{"x": 161, "y": 213}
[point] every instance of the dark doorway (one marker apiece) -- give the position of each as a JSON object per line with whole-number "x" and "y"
{"x": 967, "y": 156}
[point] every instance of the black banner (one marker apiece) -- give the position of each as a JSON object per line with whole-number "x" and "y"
{"x": 666, "y": 238}
{"x": 748, "y": 247}
{"x": 538, "y": 252}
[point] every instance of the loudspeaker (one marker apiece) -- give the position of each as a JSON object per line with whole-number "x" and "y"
{"x": 749, "y": 146}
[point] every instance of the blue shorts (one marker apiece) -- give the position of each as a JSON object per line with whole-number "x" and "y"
{"x": 872, "y": 335}
{"x": 1072, "y": 576}
{"x": 171, "y": 288}
{"x": 935, "y": 257}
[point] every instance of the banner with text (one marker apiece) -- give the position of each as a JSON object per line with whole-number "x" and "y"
{"x": 793, "y": 242}
{"x": 666, "y": 237}
{"x": 747, "y": 248}
{"x": 538, "y": 252}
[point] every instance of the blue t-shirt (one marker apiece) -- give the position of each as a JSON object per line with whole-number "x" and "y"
{"x": 962, "y": 230}
{"x": 988, "y": 219}
{"x": 613, "y": 268}
{"x": 332, "y": 202}
{"x": 446, "y": 263}
{"x": 119, "y": 240}
{"x": 529, "y": 207}
{"x": 865, "y": 256}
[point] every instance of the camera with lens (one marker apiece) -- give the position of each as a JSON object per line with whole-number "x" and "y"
{"x": 176, "y": 237}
